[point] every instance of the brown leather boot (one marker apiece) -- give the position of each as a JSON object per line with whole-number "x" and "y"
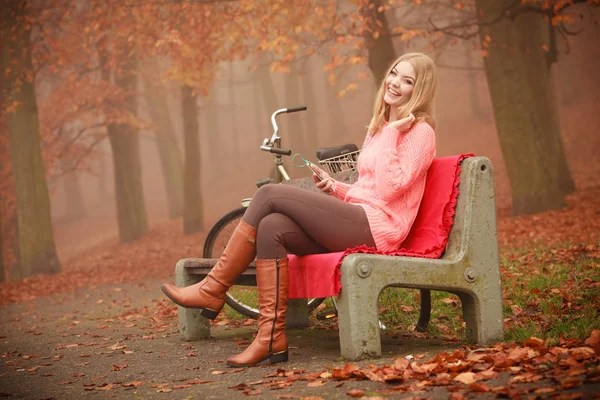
{"x": 271, "y": 341}
{"x": 209, "y": 293}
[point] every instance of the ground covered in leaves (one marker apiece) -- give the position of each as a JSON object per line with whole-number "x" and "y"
{"x": 102, "y": 326}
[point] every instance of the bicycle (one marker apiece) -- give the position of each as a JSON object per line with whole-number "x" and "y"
{"x": 334, "y": 159}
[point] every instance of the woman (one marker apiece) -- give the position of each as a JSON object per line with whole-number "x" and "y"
{"x": 377, "y": 210}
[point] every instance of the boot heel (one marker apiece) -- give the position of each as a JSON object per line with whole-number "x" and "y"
{"x": 276, "y": 358}
{"x": 210, "y": 314}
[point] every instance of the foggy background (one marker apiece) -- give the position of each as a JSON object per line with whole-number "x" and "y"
{"x": 234, "y": 120}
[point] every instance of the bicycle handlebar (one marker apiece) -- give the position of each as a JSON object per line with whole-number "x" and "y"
{"x": 277, "y": 150}
{"x": 272, "y": 145}
{"x": 295, "y": 109}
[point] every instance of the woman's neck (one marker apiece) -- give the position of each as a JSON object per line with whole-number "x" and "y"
{"x": 389, "y": 115}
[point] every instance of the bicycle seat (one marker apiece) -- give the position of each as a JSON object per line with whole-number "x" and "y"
{"x": 324, "y": 153}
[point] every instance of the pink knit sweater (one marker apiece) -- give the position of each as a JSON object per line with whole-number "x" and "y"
{"x": 392, "y": 167}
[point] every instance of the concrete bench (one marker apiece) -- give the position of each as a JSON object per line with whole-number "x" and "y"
{"x": 470, "y": 268}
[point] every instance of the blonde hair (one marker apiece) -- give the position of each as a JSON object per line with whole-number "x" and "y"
{"x": 421, "y": 102}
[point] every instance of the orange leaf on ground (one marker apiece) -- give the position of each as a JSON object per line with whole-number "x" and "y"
{"x": 479, "y": 387}
{"x": 181, "y": 386}
{"x": 355, "y": 392}
{"x": 132, "y": 384}
{"x": 534, "y": 342}
{"x": 466, "y": 377}
{"x": 594, "y": 339}
{"x": 198, "y": 381}
{"x": 106, "y": 387}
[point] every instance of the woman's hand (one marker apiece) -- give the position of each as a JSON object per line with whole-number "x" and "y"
{"x": 403, "y": 124}
{"x": 324, "y": 182}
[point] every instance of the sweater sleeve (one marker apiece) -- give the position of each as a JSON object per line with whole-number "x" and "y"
{"x": 341, "y": 188}
{"x": 400, "y": 165}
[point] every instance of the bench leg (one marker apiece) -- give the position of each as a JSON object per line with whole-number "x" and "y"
{"x": 358, "y": 322}
{"x": 297, "y": 314}
{"x": 425, "y": 311}
{"x": 483, "y": 317}
{"x": 192, "y": 325}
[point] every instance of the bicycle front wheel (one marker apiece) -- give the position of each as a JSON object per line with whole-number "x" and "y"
{"x": 243, "y": 299}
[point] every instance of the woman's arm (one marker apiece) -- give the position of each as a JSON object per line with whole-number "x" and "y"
{"x": 399, "y": 166}
{"x": 341, "y": 188}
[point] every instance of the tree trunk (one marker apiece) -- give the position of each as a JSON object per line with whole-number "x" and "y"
{"x": 270, "y": 101}
{"x": 74, "y": 203}
{"x": 35, "y": 237}
{"x": 335, "y": 115}
{"x": 474, "y": 98}
{"x": 124, "y": 141}
{"x": 524, "y": 109}
{"x": 166, "y": 142}
{"x": 260, "y": 115}
{"x": 2, "y": 271}
{"x": 292, "y": 133}
{"x": 193, "y": 216}
{"x": 102, "y": 195}
{"x": 211, "y": 110}
{"x": 381, "y": 50}
{"x": 234, "y": 114}
{"x": 310, "y": 122}
{"x": 563, "y": 172}
{"x": 9, "y": 232}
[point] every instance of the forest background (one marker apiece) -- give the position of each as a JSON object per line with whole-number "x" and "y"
{"x": 120, "y": 116}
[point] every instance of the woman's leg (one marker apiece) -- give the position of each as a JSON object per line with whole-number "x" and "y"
{"x": 278, "y": 235}
{"x": 328, "y": 221}
{"x": 292, "y": 220}
{"x": 209, "y": 294}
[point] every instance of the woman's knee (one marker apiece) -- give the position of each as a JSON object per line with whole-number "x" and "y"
{"x": 269, "y": 236}
{"x": 267, "y": 192}
{"x": 270, "y": 226}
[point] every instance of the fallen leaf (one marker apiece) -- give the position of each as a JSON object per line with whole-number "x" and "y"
{"x": 106, "y": 387}
{"x": 594, "y": 339}
{"x": 466, "y": 377}
{"x": 355, "y": 392}
{"x": 198, "y": 381}
{"x": 132, "y": 384}
{"x": 571, "y": 382}
{"x": 118, "y": 367}
{"x": 479, "y": 387}
{"x": 534, "y": 342}
{"x": 181, "y": 386}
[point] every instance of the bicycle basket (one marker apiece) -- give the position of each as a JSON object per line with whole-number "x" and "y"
{"x": 339, "y": 158}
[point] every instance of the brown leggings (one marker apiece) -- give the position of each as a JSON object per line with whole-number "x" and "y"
{"x": 293, "y": 220}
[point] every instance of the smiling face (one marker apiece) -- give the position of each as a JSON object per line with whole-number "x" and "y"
{"x": 399, "y": 84}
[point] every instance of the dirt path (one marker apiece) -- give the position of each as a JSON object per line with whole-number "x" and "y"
{"x": 121, "y": 341}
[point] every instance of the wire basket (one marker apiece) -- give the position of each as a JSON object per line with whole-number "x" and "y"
{"x": 345, "y": 162}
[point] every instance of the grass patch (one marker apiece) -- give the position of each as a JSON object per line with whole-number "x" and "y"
{"x": 546, "y": 292}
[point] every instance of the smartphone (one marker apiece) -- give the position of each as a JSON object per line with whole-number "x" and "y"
{"x": 314, "y": 169}
{"x": 317, "y": 172}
